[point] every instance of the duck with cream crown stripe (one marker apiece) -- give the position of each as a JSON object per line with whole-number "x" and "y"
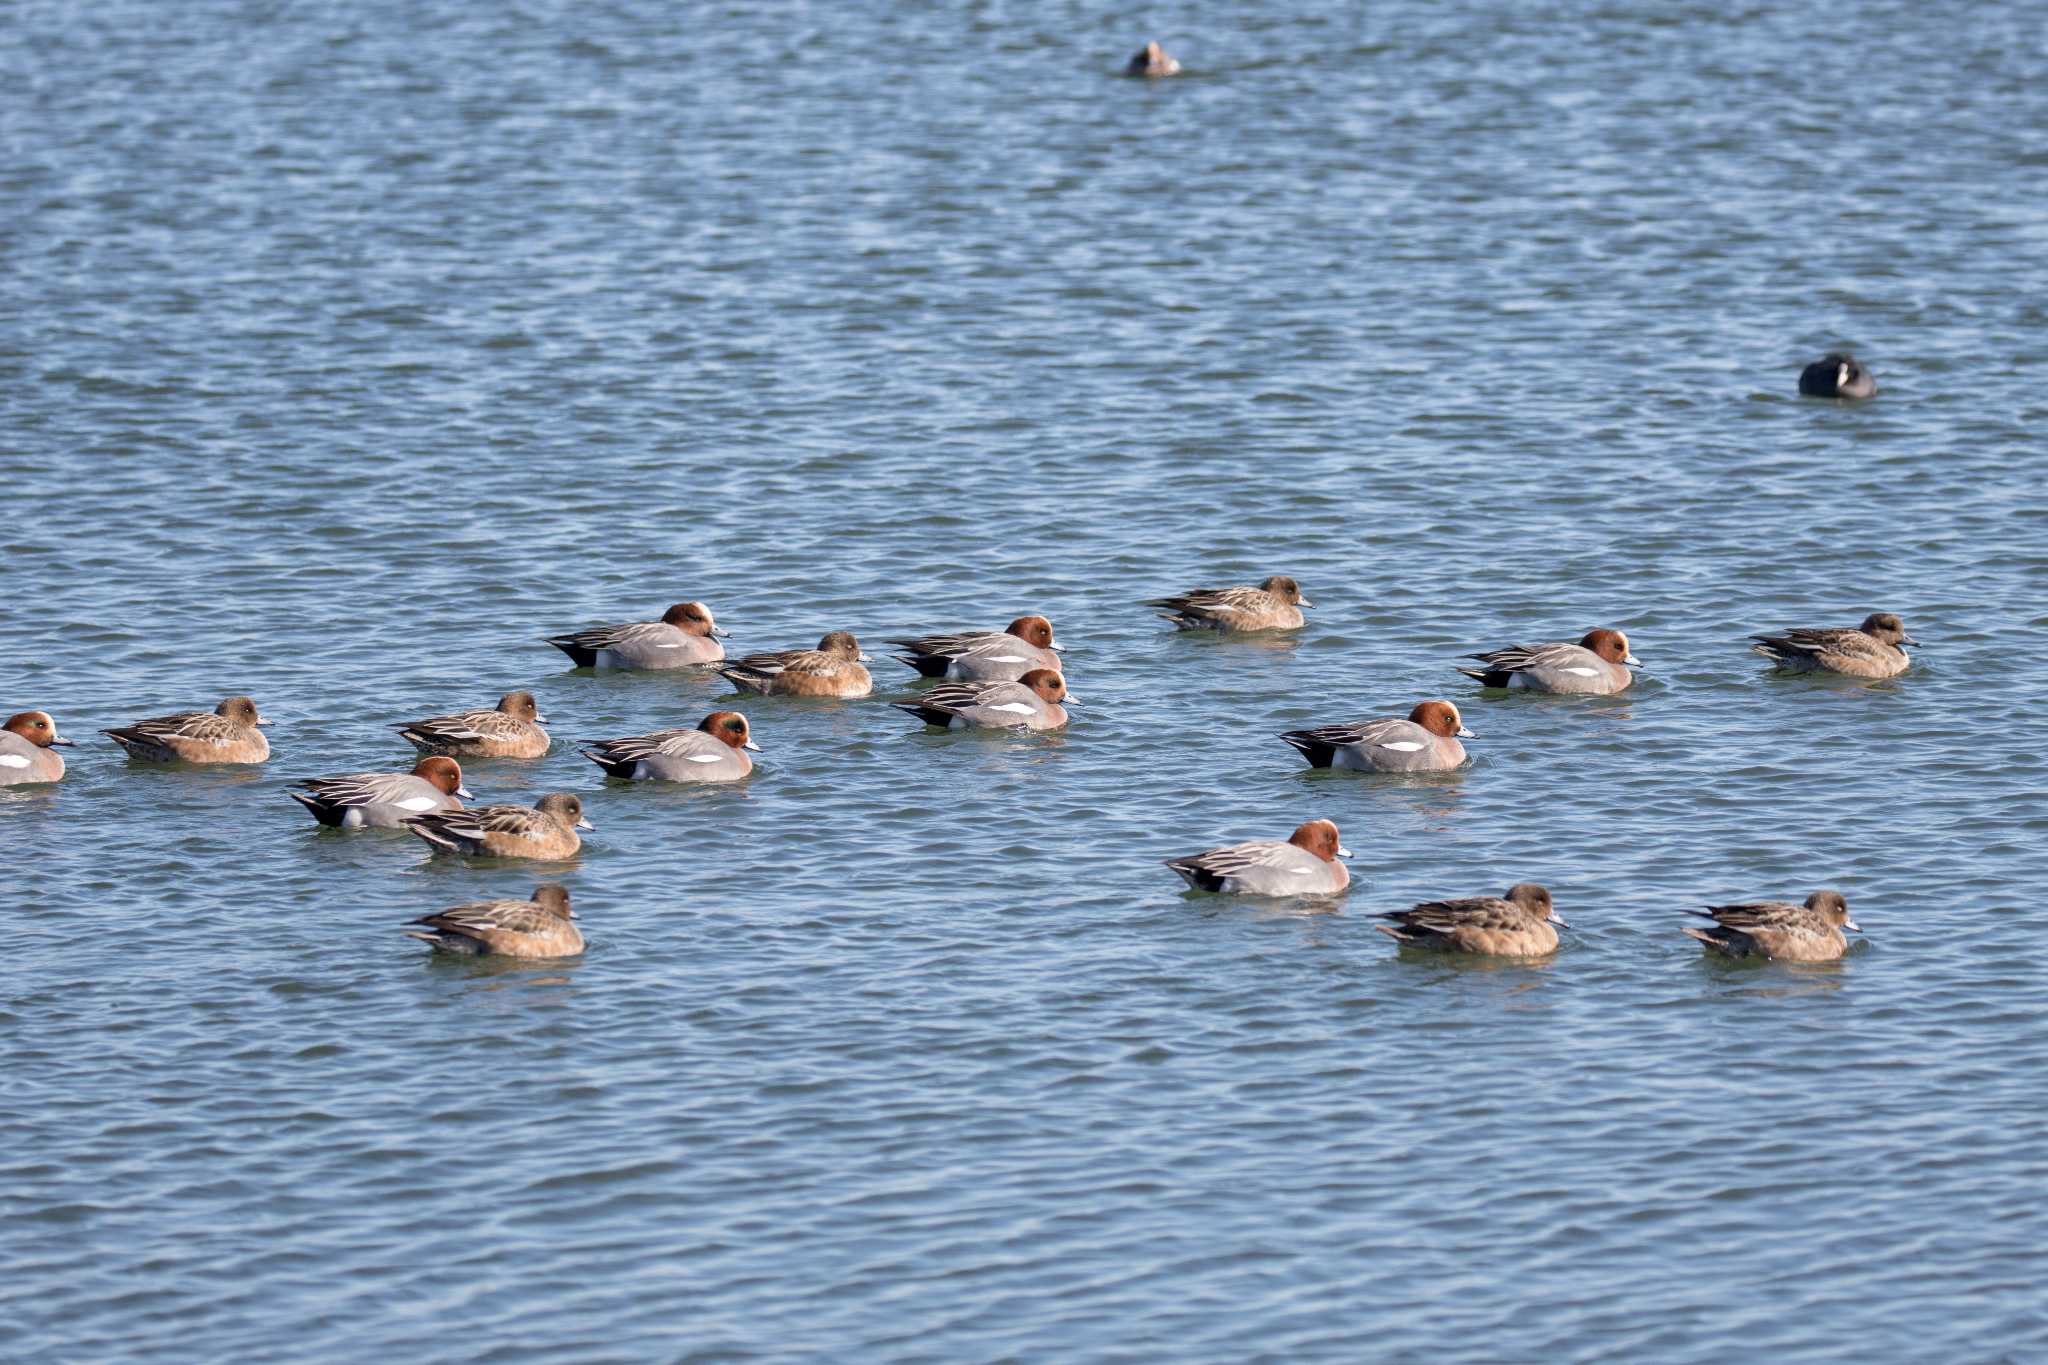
{"x": 25, "y": 742}
{"x": 1303, "y": 864}
{"x": 1599, "y": 663}
{"x": 226, "y": 734}
{"x": 685, "y": 636}
{"x": 383, "y": 800}
{"x": 1426, "y": 742}
{"x": 985, "y": 656}
{"x": 1030, "y": 703}
{"x": 713, "y": 752}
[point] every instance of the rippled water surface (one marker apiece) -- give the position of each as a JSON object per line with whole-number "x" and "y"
{"x": 346, "y": 351}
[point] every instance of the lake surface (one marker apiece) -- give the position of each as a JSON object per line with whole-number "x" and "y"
{"x": 346, "y": 351}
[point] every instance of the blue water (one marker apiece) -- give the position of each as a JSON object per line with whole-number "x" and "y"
{"x": 347, "y": 351}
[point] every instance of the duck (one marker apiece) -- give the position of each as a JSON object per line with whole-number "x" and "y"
{"x": 833, "y": 669}
{"x": 227, "y": 734}
{"x": 1275, "y": 604}
{"x": 1151, "y": 60}
{"x": 1521, "y": 924}
{"x": 1778, "y": 929}
{"x": 384, "y": 800}
{"x": 542, "y": 927}
{"x": 1030, "y": 703}
{"x": 1875, "y": 649}
{"x": 713, "y": 752}
{"x": 1598, "y": 664}
{"x": 1303, "y": 864}
{"x": 25, "y": 743}
{"x": 512, "y": 730}
{"x": 685, "y": 635}
{"x": 985, "y": 656}
{"x": 1426, "y": 742}
{"x": 546, "y": 830}
{"x": 1836, "y": 375}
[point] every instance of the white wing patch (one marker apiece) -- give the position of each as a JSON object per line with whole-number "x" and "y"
{"x": 1007, "y": 659}
{"x": 700, "y": 758}
{"x": 1402, "y": 746}
{"x": 1580, "y": 671}
{"x": 1022, "y": 708}
{"x": 12, "y": 761}
{"x": 417, "y": 803}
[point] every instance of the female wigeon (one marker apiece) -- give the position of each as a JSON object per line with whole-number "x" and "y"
{"x": 713, "y": 752}
{"x": 25, "y": 755}
{"x": 1522, "y": 924}
{"x": 833, "y": 669}
{"x": 1836, "y": 375}
{"x": 226, "y": 734}
{"x": 542, "y": 927}
{"x": 1152, "y": 61}
{"x": 1598, "y": 663}
{"x": 985, "y": 656}
{"x": 1032, "y": 703}
{"x": 383, "y": 800}
{"x": 1273, "y": 605}
{"x": 684, "y": 635}
{"x": 546, "y": 829}
{"x": 1303, "y": 864}
{"x": 1426, "y": 742}
{"x": 513, "y": 730}
{"x": 1778, "y": 929}
{"x": 1873, "y": 650}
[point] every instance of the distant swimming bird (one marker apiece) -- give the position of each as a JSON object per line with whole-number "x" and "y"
{"x": 1273, "y": 605}
{"x": 710, "y": 753}
{"x": 1152, "y": 61}
{"x": 1873, "y": 650}
{"x": 1425, "y": 742}
{"x": 833, "y": 669}
{"x": 1778, "y": 929}
{"x": 25, "y": 755}
{"x": 383, "y": 800}
{"x": 1836, "y": 375}
{"x": 513, "y": 730}
{"x": 985, "y": 656}
{"x": 1598, "y": 663}
{"x": 1030, "y": 703}
{"x": 681, "y": 638}
{"x": 541, "y": 927}
{"x": 1521, "y": 925}
{"x": 544, "y": 830}
{"x": 226, "y": 734}
{"x": 1303, "y": 864}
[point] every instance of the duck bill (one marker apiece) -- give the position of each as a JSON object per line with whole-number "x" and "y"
{"x": 539, "y": 719}
{"x": 1343, "y": 852}
{"x": 1057, "y": 648}
{"x": 1632, "y": 661}
{"x": 866, "y": 658}
{"x": 1559, "y": 920}
{"x": 585, "y": 824}
{"x": 61, "y": 741}
{"x": 1464, "y": 733}
{"x": 755, "y": 747}
{"x": 1305, "y": 604}
{"x": 465, "y": 793}
{"x": 1909, "y": 640}
{"x": 1852, "y": 924}
{"x": 1069, "y": 699}
{"x": 721, "y": 632}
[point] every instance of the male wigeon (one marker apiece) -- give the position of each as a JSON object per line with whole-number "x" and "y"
{"x": 684, "y": 635}
{"x": 1303, "y": 864}
{"x": 546, "y": 829}
{"x": 1273, "y": 605}
{"x": 1152, "y": 60}
{"x": 1873, "y": 650}
{"x": 1778, "y": 929}
{"x": 1522, "y": 924}
{"x": 226, "y": 734}
{"x": 383, "y": 800}
{"x": 513, "y": 730}
{"x": 985, "y": 656}
{"x": 1032, "y": 703}
{"x": 833, "y": 669}
{"x": 542, "y": 927}
{"x": 713, "y": 752}
{"x": 1598, "y": 663}
{"x": 25, "y": 755}
{"x": 1836, "y": 375}
{"x": 1426, "y": 742}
